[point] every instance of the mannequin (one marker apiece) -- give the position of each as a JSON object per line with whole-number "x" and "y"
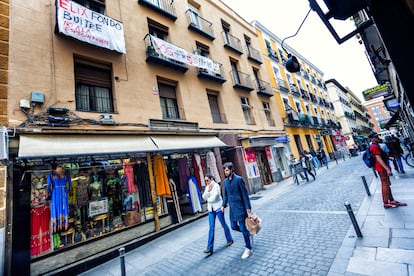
{"x": 58, "y": 186}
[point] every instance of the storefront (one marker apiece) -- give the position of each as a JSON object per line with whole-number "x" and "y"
{"x": 77, "y": 197}
{"x": 265, "y": 159}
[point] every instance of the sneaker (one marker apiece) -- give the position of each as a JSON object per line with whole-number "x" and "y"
{"x": 246, "y": 254}
{"x": 229, "y": 243}
{"x": 208, "y": 251}
{"x": 398, "y": 203}
{"x": 390, "y": 205}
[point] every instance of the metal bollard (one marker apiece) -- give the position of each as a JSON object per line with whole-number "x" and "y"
{"x": 353, "y": 219}
{"x": 122, "y": 259}
{"x": 366, "y": 186}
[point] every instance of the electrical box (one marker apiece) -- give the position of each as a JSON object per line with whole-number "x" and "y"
{"x": 37, "y": 97}
{"x": 24, "y": 103}
{"x": 4, "y": 143}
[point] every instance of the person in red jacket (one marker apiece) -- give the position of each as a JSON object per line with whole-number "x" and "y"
{"x": 384, "y": 171}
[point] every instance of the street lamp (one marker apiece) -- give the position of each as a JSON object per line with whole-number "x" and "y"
{"x": 341, "y": 10}
{"x": 292, "y": 64}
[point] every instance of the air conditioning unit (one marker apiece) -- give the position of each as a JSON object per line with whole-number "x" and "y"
{"x": 106, "y": 119}
{"x": 4, "y": 143}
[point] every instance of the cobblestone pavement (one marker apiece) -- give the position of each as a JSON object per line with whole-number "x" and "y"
{"x": 302, "y": 229}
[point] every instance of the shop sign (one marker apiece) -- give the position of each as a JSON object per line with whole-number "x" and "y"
{"x": 173, "y": 52}
{"x": 270, "y": 159}
{"x": 282, "y": 139}
{"x": 376, "y": 92}
{"x": 250, "y": 155}
{"x": 98, "y": 207}
{"x": 89, "y": 26}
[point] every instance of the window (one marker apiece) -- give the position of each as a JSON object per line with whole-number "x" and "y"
{"x": 202, "y": 50}
{"x": 214, "y": 108}
{"x": 168, "y": 101}
{"x": 93, "y": 84}
{"x": 235, "y": 71}
{"x": 158, "y": 30}
{"x": 95, "y": 5}
{"x": 268, "y": 114}
{"x": 246, "y": 110}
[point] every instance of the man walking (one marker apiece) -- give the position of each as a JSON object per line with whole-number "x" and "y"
{"x": 384, "y": 171}
{"x": 235, "y": 194}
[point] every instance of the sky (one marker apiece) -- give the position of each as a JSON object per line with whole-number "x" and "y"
{"x": 346, "y": 62}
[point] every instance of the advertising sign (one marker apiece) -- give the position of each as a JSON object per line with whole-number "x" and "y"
{"x": 89, "y": 26}
{"x": 377, "y": 91}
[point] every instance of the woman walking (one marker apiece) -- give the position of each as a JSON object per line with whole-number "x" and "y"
{"x": 212, "y": 194}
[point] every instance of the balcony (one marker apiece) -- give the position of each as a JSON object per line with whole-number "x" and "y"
{"x": 271, "y": 122}
{"x": 164, "y": 7}
{"x": 200, "y": 25}
{"x": 254, "y": 55}
{"x": 313, "y": 98}
{"x": 305, "y": 75}
{"x": 315, "y": 120}
{"x": 295, "y": 90}
{"x": 232, "y": 43}
{"x": 211, "y": 75}
{"x": 272, "y": 54}
{"x": 264, "y": 88}
{"x": 219, "y": 118}
{"x": 156, "y": 57}
{"x": 283, "y": 86}
{"x": 304, "y": 94}
{"x": 241, "y": 80}
{"x": 173, "y": 113}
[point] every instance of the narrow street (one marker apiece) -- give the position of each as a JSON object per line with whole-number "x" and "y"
{"x": 303, "y": 228}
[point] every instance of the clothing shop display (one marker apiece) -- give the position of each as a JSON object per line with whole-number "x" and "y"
{"x": 129, "y": 174}
{"x": 194, "y": 193}
{"x": 40, "y": 230}
{"x": 184, "y": 173}
{"x": 142, "y": 181}
{"x": 198, "y": 166}
{"x": 211, "y": 164}
{"x": 162, "y": 187}
{"x": 58, "y": 187}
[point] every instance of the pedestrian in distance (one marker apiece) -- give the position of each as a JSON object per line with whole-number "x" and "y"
{"x": 294, "y": 168}
{"x": 395, "y": 152}
{"x": 212, "y": 194}
{"x": 322, "y": 157}
{"x": 307, "y": 164}
{"x": 384, "y": 171}
{"x": 237, "y": 197}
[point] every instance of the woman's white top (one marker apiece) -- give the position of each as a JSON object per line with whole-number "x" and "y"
{"x": 213, "y": 198}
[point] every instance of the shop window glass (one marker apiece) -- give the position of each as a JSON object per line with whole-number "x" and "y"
{"x": 73, "y": 203}
{"x": 93, "y": 87}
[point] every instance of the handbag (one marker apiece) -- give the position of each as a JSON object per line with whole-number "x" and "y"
{"x": 253, "y": 223}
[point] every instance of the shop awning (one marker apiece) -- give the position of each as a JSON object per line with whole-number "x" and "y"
{"x": 393, "y": 120}
{"x": 169, "y": 142}
{"x": 66, "y": 145}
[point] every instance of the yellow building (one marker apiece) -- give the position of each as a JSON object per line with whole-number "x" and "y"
{"x": 131, "y": 98}
{"x": 307, "y": 112}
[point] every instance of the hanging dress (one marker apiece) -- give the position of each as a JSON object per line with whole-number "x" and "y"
{"x": 198, "y": 165}
{"x": 59, "y": 204}
{"x": 183, "y": 173}
{"x": 129, "y": 174}
{"x": 142, "y": 180}
{"x": 162, "y": 187}
{"x": 195, "y": 194}
{"x": 212, "y": 166}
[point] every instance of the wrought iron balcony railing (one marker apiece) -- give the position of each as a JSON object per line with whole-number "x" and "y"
{"x": 232, "y": 42}
{"x": 199, "y": 24}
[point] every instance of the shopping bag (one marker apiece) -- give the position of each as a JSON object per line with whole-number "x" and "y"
{"x": 253, "y": 223}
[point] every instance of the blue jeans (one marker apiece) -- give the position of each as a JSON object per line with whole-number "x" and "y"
{"x": 240, "y": 226}
{"x": 212, "y": 222}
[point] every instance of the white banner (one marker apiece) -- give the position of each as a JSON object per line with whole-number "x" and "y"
{"x": 171, "y": 51}
{"x": 89, "y": 26}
